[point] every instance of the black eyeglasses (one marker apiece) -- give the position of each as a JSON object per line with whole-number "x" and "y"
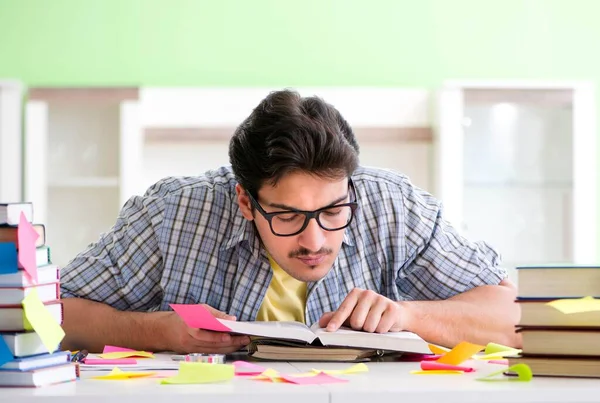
{"x": 293, "y": 222}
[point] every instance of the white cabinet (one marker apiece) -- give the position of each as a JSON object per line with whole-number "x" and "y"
{"x": 11, "y": 180}
{"x": 517, "y": 168}
{"x": 73, "y": 158}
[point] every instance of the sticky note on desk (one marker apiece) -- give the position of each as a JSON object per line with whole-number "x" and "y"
{"x": 576, "y": 305}
{"x": 26, "y": 238}
{"x": 247, "y": 368}
{"x": 438, "y": 366}
{"x": 117, "y": 353}
{"x": 8, "y": 258}
{"x": 42, "y": 321}
{"x": 198, "y": 317}
{"x": 117, "y": 375}
{"x": 461, "y": 352}
{"x": 522, "y": 371}
{"x": 199, "y": 372}
{"x": 354, "y": 369}
{"x": 318, "y": 379}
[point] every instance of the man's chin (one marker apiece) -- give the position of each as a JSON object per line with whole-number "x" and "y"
{"x": 310, "y": 274}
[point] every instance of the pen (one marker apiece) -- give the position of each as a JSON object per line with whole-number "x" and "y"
{"x": 79, "y": 356}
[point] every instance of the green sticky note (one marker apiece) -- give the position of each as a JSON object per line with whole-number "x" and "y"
{"x": 498, "y": 350}
{"x": 41, "y": 321}
{"x": 523, "y": 372}
{"x": 199, "y": 372}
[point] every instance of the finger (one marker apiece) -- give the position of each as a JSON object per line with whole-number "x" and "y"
{"x": 218, "y": 314}
{"x": 231, "y": 342}
{"x": 208, "y": 336}
{"x": 344, "y": 311}
{"x": 325, "y": 319}
{"x": 374, "y": 316}
{"x": 389, "y": 321}
{"x": 361, "y": 310}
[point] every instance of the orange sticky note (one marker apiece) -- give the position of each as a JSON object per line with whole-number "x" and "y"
{"x": 26, "y": 237}
{"x": 437, "y": 349}
{"x": 461, "y": 352}
{"x": 438, "y": 366}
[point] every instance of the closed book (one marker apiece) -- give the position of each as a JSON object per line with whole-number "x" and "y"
{"x": 578, "y": 367}
{"x": 558, "y": 281}
{"x": 10, "y": 213}
{"x": 37, "y": 361}
{"x": 42, "y": 256}
{"x": 537, "y": 312}
{"x": 9, "y": 234}
{"x": 15, "y": 295}
{"x": 39, "y": 377}
{"x": 560, "y": 341}
{"x": 12, "y": 318}
{"x": 24, "y": 344}
{"x": 273, "y": 350}
{"x": 46, "y": 274}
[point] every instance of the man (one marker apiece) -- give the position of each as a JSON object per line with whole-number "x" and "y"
{"x": 294, "y": 230}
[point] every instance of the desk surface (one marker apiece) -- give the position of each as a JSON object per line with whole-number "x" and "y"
{"x": 385, "y": 381}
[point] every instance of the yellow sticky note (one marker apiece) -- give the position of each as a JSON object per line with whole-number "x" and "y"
{"x": 522, "y": 370}
{"x": 437, "y": 349}
{"x": 200, "y": 372}
{"x": 495, "y": 351}
{"x": 437, "y": 372}
{"x": 125, "y": 354}
{"x": 42, "y": 321}
{"x": 117, "y": 375}
{"x": 268, "y": 374}
{"x": 461, "y": 352}
{"x": 578, "y": 305}
{"x": 355, "y": 369}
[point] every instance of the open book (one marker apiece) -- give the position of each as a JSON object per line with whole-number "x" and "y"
{"x": 284, "y": 340}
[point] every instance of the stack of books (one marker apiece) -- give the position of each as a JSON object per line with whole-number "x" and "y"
{"x": 560, "y": 320}
{"x": 30, "y": 308}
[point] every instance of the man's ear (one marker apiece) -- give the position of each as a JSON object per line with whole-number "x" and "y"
{"x": 244, "y": 202}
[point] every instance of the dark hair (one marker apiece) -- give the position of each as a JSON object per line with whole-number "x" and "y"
{"x": 287, "y": 133}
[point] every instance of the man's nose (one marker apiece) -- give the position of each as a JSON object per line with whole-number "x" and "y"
{"x": 313, "y": 237}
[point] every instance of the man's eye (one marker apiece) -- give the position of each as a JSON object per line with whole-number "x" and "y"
{"x": 287, "y": 217}
{"x": 332, "y": 213}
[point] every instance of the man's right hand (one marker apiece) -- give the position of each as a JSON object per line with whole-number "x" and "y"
{"x": 184, "y": 339}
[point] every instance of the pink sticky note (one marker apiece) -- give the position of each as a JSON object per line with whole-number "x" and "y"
{"x": 198, "y": 317}
{"x": 436, "y": 366}
{"x": 115, "y": 349}
{"x": 319, "y": 379}
{"x": 415, "y": 357}
{"x": 119, "y": 361}
{"x": 501, "y": 362}
{"x": 245, "y": 368}
{"x": 26, "y": 237}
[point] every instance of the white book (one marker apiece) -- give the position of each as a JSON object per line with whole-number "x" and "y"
{"x": 10, "y": 213}
{"x": 12, "y": 318}
{"x": 15, "y": 295}
{"x": 24, "y": 344}
{"x": 39, "y": 377}
{"x": 37, "y": 361}
{"x": 46, "y": 275}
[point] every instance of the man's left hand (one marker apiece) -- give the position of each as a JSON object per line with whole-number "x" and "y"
{"x": 365, "y": 310}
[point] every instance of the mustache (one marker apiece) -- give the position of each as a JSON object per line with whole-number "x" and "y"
{"x": 305, "y": 252}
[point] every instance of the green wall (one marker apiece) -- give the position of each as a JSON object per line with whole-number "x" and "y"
{"x": 413, "y": 43}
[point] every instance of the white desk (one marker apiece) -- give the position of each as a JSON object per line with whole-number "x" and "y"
{"x": 386, "y": 382}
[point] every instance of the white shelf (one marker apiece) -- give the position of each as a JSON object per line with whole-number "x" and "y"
{"x": 86, "y": 182}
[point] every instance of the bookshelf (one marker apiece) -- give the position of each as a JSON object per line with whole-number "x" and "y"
{"x": 517, "y": 168}
{"x": 11, "y": 95}
{"x": 73, "y": 163}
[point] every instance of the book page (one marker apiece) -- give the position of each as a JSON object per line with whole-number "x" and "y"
{"x": 276, "y": 330}
{"x": 393, "y": 341}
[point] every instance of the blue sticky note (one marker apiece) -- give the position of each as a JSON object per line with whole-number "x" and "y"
{"x": 5, "y": 354}
{"x": 8, "y": 258}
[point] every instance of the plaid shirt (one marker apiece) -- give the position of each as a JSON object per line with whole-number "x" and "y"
{"x": 185, "y": 241}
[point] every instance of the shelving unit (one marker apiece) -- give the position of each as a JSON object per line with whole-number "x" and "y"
{"x": 72, "y": 167}
{"x": 11, "y": 180}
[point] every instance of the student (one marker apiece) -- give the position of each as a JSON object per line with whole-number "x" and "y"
{"x": 293, "y": 230}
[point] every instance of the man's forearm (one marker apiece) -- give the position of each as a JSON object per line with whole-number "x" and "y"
{"x": 91, "y": 325}
{"x": 482, "y": 315}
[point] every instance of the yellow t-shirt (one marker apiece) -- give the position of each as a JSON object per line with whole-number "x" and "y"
{"x": 285, "y": 299}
